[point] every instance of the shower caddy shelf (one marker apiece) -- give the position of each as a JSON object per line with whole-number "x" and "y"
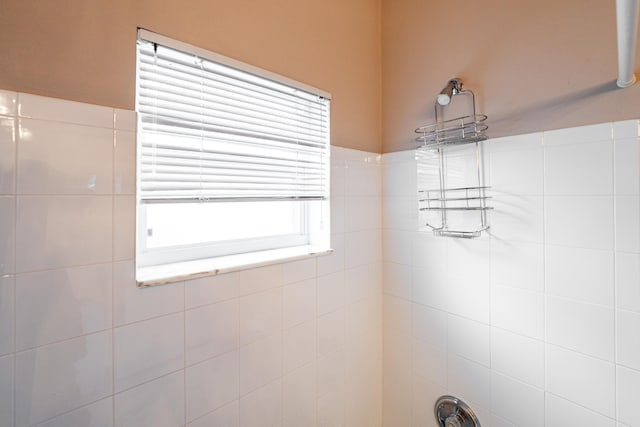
{"x": 437, "y": 137}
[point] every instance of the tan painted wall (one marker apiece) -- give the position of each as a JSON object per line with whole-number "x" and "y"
{"x": 84, "y": 50}
{"x": 533, "y": 65}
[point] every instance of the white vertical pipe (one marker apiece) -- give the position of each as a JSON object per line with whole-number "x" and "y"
{"x": 627, "y": 18}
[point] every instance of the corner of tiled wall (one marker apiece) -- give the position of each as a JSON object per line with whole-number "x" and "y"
{"x": 536, "y": 323}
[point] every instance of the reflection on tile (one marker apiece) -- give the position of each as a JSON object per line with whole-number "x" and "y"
{"x": 60, "y": 304}
{"x": 60, "y": 377}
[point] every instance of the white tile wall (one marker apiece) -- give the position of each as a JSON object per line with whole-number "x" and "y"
{"x": 538, "y": 322}
{"x": 82, "y": 346}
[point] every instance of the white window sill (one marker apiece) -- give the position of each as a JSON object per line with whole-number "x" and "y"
{"x": 177, "y": 272}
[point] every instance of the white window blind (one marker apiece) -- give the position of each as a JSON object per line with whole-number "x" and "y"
{"x": 214, "y": 133}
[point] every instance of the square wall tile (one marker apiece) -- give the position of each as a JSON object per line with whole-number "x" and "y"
{"x": 262, "y": 407}
{"x": 124, "y": 227}
{"x": 627, "y": 342}
{"x": 560, "y": 413}
{"x": 583, "y": 170}
{"x": 297, "y": 271}
{"x": 98, "y": 414}
{"x": 580, "y": 134}
{"x": 582, "y": 327}
{"x": 469, "y": 339}
{"x": 300, "y": 346}
{"x": 132, "y": 304}
{"x": 518, "y": 356}
{"x": 627, "y": 166}
{"x": 579, "y": 221}
{"x": 626, "y": 129}
{"x": 7, "y": 314}
{"x": 7, "y": 155}
{"x": 147, "y": 350}
{"x": 226, "y": 416}
{"x": 7, "y": 234}
{"x": 429, "y": 362}
{"x": 627, "y": 223}
{"x": 211, "y": 330}
{"x": 211, "y": 384}
{"x": 61, "y": 304}
{"x": 429, "y": 325}
{"x": 260, "y": 279}
{"x": 518, "y": 311}
{"x": 299, "y": 397}
{"x": 517, "y": 172}
{"x": 211, "y": 289}
{"x": 6, "y": 391}
{"x": 470, "y": 382}
{"x": 62, "y": 231}
{"x": 517, "y": 218}
{"x": 62, "y": 158}
{"x": 260, "y": 363}
{"x": 581, "y": 274}
{"x": 61, "y": 377}
{"x": 396, "y": 280}
{"x": 628, "y": 393}
{"x": 8, "y": 103}
{"x": 334, "y": 261}
{"x": 331, "y": 292}
{"x": 564, "y": 366}
{"x": 517, "y": 264}
{"x": 124, "y": 168}
{"x": 60, "y": 110}
{"x": 362, "y": 213}
{"x": 125, "y": 119}
{"x": 525, "y": 405}
{"x": 260, "y": 315}
{"x": 158, "y": 403}
{"x": 627, "y": 279}
{"x": 362, "y": 247}
{"x": 299, "y": 302}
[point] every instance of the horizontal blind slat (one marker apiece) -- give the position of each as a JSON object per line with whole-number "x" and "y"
{"x": 211, "y": 132}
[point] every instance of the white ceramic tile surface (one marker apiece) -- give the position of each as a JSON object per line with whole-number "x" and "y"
{"x": 626, "y": 166}
{"x": 59, "y": 110}
{"x": 132, "y": 304}
{"x": 299, "y": 346}
{"x": 560, "y": 413}
{"x": 598, "y": 132}
{"x": 627, "y": 280}
{"x": 331, "y": 292}
{"x": 61, "y": 304}
{"x": 7, "y": 314}
{"x": 7, "y": 235}
{"x": 124, "y": 227}
{"x": 588, "y": 170}
{"x": 579, "y": 221}
{"x": 211, "y": 384}
{"x": 60, "y": 377}
{"x": 260, "y": 363}
{"x": 526, "y": 403}
{"x": 518, "y": 311}
{"x": 582, "y": 327}
{"x": 469, "y": 339}
{"x": 627, "y": 342}
{"x": 299, "y": 302}
{"x": 564, "y": 366}
{"x": 211, "y": 289}
{"x": 262, "y": 407}
{"x": 211, "y": 330}
{"x": 124, "y": 164}
{"x": 517, "y": 172}
{"x": 8, "y": 102}
{"x": 627, "y": 223}
{"x": 98, "y": 414}
{"x": 7, "y": 155}
{"x": 62, "y": 231}
{"x": 227, "y": 416}
{"x": 260, "y": 315}
{"x": 260, "y": 279}
{"x": 62, "y": 158}
{"x": 299, "y": 397}
{"x": 147, "y": 350}
{"x": 582, "y": 274}
{"x": 517, "y": 356}
{"x": 6, "y": 390}
{"x": 159, "y": 403}
{"x": 628, "y": 393}
{"x": 124, "y": 119}
{"x": 518, "y": 264}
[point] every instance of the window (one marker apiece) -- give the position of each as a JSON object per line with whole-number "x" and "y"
{"x": 233, "y": 164}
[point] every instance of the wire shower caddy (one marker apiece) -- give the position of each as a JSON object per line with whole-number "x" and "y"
{"x": 437, "y": 137}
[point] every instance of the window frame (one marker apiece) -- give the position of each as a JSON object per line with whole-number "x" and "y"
{"x": 180, "y": 262}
